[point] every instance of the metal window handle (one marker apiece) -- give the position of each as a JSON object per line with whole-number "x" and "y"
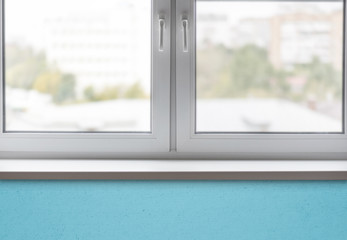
{"x": 161, "y": 34}
{"x": 185, "y": 34}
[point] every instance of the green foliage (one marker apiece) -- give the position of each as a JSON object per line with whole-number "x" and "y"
{"x": 250, "y": 68}
{"x": 225, "y": 73}
{"x": 89, "y": 94}
{"x": 108, "y": 93}
{"x": 214, "y": 71}
{"x": 23, "y": 66}
{"x": 29, "y": 70}
{"x": 247, "y": 71}
{"x": 47, "y": 82}
{"x": 134, "y": 91}
{"x": 322, "y": 78}
{"x": 59, "y": 86}
{"x": 65, "y": 89}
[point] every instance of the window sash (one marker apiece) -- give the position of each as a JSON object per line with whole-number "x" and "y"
{"x": 190, "y": 141}
{"x": 155, "y": 141}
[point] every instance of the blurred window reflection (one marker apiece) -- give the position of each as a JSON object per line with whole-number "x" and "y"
{"x": 269, "y": 66}
{"x": 74, "y": 65}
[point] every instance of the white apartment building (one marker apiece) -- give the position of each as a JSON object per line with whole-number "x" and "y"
{"x": 299, "y": 37}
{"x": 102, "y": 49}
{"x": 290, "y": 38}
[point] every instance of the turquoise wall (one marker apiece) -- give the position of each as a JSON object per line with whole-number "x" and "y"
{"x": 175, "y": 210}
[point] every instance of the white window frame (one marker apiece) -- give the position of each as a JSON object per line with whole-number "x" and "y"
{"x": 173, "y": 150}
{"x": 261, "y": 144}
{"x": 73, "y": 142}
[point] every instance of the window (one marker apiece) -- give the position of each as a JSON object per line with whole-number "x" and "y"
{"x": 81, "y": 76}
{"x": 173, "y": 79}
{"x": 261, "y": 78}
{"x": 68, "y": 72}
{"x": 275, "y": 70}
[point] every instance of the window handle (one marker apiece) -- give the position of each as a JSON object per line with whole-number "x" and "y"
{"x": 185, "y": 34}
{"x": 161, "y": 34}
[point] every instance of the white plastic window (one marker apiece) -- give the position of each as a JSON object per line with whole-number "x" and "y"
{"x": 179, "y": 79}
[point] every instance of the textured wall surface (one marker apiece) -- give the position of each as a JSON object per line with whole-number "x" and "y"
{"x": 151, "y": 210}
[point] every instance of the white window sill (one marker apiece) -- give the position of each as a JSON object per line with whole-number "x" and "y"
{"x": 174, "y": 169}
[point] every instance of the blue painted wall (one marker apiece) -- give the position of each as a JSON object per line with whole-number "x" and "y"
{"x": 177, "y": 210}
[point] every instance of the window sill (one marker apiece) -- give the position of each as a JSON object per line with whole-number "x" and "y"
{"x": 174, "y": 169}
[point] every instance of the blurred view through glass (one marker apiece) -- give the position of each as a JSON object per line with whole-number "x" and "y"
{"x": 78, "y": 65}
{"x": 269, "y": 66}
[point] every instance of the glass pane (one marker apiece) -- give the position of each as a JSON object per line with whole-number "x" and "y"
{"x": 78, "y": 65}
{"x": 269, "y": 66}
